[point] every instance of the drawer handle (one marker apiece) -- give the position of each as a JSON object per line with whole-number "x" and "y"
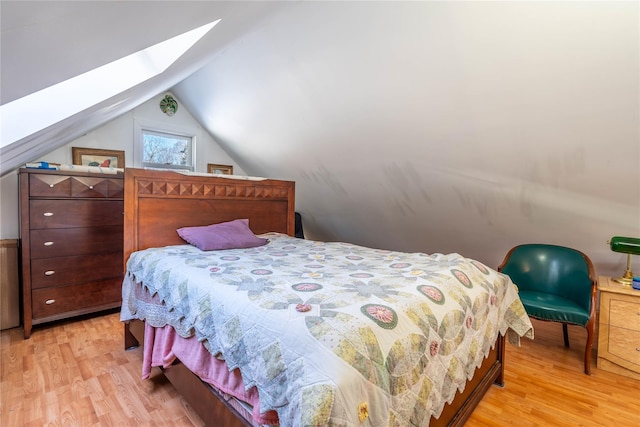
{"x": 91, "y": 187}
{"x": 49, "y": 301}
{"x": 48, "y": 214}
{"x": 49, "y": 272}
{"x": 51, "y": 185}
{"x": 48, "y": 243}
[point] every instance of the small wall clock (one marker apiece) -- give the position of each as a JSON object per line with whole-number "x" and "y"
{"x": 169, "y": 105}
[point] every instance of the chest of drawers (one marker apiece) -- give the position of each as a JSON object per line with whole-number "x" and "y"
{"x": 619, "y": 334}
{"x": 72, "y": 240}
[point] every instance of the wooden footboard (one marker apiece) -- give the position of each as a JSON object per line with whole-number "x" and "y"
{"x": 214, "y": 410}
{"x": 490, "y": 372}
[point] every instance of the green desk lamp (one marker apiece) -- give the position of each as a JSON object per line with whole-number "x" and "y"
{"x": 629, "y": 246}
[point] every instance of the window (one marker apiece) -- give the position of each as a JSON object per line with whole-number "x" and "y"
{"x": 62, "y": 100}
{"x": 165, "y": 150}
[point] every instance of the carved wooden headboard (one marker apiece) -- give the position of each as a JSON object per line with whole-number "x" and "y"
{"x": 157, "y": 203}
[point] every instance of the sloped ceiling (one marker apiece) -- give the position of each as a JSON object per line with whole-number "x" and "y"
{"x": 46, "y": 42}
{"x": 421, "y": 126}
{"x": 440, "y": 126}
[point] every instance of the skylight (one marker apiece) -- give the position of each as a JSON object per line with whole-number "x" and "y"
{"x": 62, "y": 100}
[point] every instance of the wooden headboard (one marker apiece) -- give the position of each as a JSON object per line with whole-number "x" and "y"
{"x": 157, "y": 203}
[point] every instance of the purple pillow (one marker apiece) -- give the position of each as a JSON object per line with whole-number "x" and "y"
{"x": 234, "y": 234}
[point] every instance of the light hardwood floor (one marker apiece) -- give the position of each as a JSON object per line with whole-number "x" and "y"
{"x": 76, "y": 373}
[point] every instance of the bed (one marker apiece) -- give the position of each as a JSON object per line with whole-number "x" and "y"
{"x": 309, "y": 333}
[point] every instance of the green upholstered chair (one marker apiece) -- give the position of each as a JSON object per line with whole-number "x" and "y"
{"x": 556, "y": 284}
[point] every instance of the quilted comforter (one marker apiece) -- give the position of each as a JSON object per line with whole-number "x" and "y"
{"x": 333, "y": 333}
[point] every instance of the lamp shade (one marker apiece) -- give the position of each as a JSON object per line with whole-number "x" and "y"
{"x": 626, "y": 245}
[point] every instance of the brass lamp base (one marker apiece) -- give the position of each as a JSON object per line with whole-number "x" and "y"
{"x": 626, "y": 245}
{"x": 627, "y": 278}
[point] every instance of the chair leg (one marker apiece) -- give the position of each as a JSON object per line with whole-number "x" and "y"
{"x": 591, "y": 332}
{"x": 565, "y": 332}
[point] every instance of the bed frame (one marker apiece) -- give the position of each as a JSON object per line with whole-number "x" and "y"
{"x": 156, "y": 203}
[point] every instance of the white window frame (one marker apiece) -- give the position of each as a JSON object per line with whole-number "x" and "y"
{"x": 142, "y": 127}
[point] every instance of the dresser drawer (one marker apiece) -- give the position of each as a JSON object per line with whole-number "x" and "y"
{"x": 625, "y": 344}
{"x": 75, "y": 213}
{"x": 50, "y": 272}
{"x": 49, "y": 185}
{"x": 624, "y": 314}
{"x": 116, "y": 188}
{"x": 97, "y": 186}
{"x": 57, "y": 242}
{"x": 82, "y": 186}
{"x": 80, "y": 298}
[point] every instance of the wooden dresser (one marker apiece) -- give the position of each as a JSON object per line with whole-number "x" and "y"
{"x": 72, "y": 240}
{"x": 619, "y": 328}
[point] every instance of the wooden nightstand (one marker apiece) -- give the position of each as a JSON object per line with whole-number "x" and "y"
{"x": 619, "y": 334}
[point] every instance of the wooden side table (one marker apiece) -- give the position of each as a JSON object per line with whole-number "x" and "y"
{"x": 619, "y": 328}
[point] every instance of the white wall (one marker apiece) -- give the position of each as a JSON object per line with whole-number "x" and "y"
{"x": 432, "y": 126}
{"x": 441, "y": 126}
{"x": 118, "y": 135}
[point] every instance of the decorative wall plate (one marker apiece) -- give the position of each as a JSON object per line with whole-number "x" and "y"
{"x": 169, "y": 105}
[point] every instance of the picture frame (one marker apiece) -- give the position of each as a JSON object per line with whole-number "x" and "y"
{"x": 97, "y": 157}
{"x": 220, "y": 169}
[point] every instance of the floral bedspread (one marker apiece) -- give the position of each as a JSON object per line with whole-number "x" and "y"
{"x": 333, "y": 333}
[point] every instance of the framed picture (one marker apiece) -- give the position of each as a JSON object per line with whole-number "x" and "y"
{"x": 223, "y": 169}
{"x": 97, "y": 157}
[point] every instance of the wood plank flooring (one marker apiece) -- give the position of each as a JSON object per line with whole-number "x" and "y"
{"x": 545, "y": 386}
{"x": 76, "y": 373}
